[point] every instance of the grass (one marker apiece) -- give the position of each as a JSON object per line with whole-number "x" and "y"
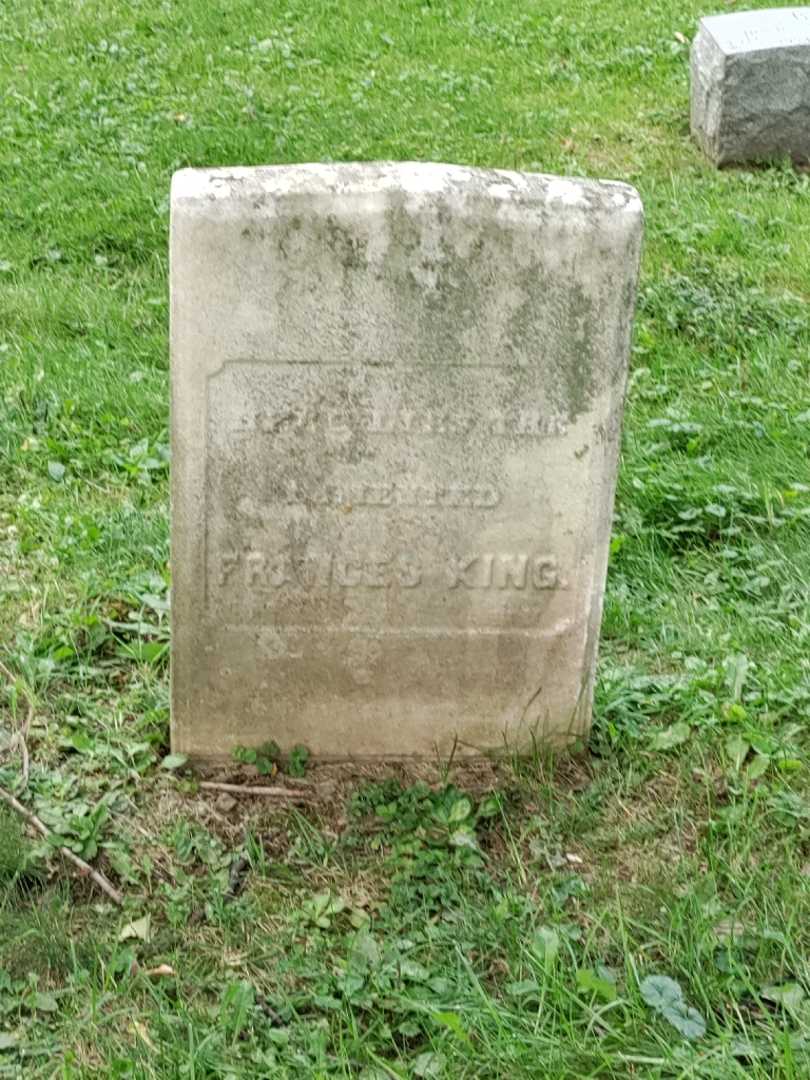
{"x": 500, "y": 922}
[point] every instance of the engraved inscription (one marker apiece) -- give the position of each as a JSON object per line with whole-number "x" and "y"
{"x": 259, "y": 571}
{"x": 394, "y": 494}
{"x": 382, "y": 496}
{"x": 512, "y": 421}
{"x": 503, "y": 571}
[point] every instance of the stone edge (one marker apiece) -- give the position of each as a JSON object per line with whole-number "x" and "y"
{"x": 217, "y": 186}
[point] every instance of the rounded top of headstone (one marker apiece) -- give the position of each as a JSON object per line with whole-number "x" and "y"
{"x": 759, "y": 31}
{"x": 413, "y": 179}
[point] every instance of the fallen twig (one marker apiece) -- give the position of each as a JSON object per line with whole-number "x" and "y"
{"x": 246, "y": 789}
{"x": 85, "y": 868}
{"x": 21, "y": 740}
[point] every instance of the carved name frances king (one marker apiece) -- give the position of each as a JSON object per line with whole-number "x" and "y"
{"x": 255, "y": 570}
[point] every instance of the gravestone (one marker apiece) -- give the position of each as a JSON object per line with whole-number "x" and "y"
{"x": 396, "y": 402}
{"x": 751, "y": 86}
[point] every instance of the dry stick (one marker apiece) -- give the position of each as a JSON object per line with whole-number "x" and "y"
{"x": 245, "y": 789}
{"x": 103, "y": 883}
{"x": 20, "y": 738}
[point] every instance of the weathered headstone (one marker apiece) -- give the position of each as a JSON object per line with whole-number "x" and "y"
{"x": 751, "y": 86}
{"x": 397, "y": 396}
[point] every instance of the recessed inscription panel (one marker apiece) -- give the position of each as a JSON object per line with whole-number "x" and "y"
{"x": 344, "y": 493}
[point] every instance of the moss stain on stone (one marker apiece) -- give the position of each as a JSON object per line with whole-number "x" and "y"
{"x": 563, "y": 318}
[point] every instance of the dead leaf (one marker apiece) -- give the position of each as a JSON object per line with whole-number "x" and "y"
{"x": 140, "y": 930}
{"x": 680, "y": 37}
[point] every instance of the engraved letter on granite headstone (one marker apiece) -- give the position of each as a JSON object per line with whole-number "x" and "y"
{"x": 396, "y": 406}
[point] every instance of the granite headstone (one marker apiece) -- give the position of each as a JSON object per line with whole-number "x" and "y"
{"x": 751, "y": 86}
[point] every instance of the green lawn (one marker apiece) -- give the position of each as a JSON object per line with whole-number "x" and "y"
{"x": 509, "y": 921}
